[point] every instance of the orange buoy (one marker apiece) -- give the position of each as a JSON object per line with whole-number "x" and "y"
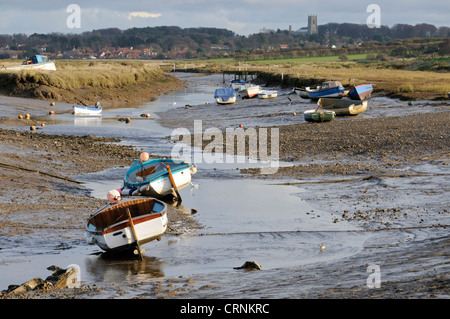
{"x": 52, "y": 104}
{"x": 43, "y": 124}
{"x": 32, "y": 128}
{"x": 240, "y": 125}
{"x": 127, "y": 120}
{"x": 144, "y": 156}
{"x": 27, "y": 116}
{"x": 20, "y": 116}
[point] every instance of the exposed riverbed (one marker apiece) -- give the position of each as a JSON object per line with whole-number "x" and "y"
{"x": 392, "y": 213}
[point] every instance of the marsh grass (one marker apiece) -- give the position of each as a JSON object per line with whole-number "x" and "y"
{"x": 75, "y": 75}
{"x": 82, "y": 81}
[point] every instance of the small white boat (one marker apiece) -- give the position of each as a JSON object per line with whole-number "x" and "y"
{"x": 249, "y": 92}
{"x": 265, "y": 94}
{"x": 237, "y": 84}
{"x": 87, "y": 110}
{"x": 127, "y": 225}
{"x": 154, "y": 177}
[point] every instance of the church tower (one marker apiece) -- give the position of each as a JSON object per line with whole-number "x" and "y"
{"x": 312, "y": 25}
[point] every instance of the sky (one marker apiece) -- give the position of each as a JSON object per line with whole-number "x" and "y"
{"x": 244, "y": 17}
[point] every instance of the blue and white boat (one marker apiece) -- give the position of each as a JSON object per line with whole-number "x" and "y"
{"x": 225, "y": 96}
{"x": 87, "y": 110}
{"x": 360, "y": 92}
{"x": 327, "y": 89}
{"x": 152, "y": 177}
{"x": 40, "y": 62}
{"x": 236, "y": 84}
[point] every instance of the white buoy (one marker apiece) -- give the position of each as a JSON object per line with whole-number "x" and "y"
{"x": 114, "y": 196}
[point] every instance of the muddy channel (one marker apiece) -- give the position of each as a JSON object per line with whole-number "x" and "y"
{"x": 357, "y": 207}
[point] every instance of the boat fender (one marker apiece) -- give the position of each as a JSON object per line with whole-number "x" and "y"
{"x": 144, "y": 188}
{"x": 127, "y": 191}
{"x": 193, "y": 169}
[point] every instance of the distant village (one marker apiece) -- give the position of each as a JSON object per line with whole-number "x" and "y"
{"x": 176, "y": 43}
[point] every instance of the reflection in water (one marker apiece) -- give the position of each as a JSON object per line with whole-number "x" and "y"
{"x": 109, "y": 267}
{"x": 87, "y": 120}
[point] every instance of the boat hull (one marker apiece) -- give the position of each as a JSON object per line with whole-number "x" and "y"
{"x": 149, "y": 224}
{"x": 249, "y": 92}
{"x": 267, "y": 94}
{"x": 157, "y": 182}
{"x": 344, "y": 106}
{"x": 360, "y": 92}
{"x": 228, "y": 100}
{"x": 337, "y": 92}
{"x": 35, "y": 66}
{"x": 318, "y": 116}
{"x": 302, "y": 93}
{"x": 85, "y": 110}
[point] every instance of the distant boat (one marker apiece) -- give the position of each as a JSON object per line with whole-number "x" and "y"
{"x": 40, "y": 62}
{"x": 237, "y": 84}
{"x": 153, "y": 178}
{"x": 318, "y": 116}
{"x": 266, "y": 94}
{"x": 87, "y": 110}
{"x": 127, "y": 225}
{"x": 344, "y": 106}
{"x": 327, "y": 89}
{"x": 225, "y": 96}
{"x": 360, "y": 92}
{"x": 249, "y": 92}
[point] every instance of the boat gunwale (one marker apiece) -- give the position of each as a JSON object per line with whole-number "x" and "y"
{"x": 126, "y": 223}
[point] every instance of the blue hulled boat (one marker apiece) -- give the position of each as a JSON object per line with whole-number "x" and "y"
{"x": 153, "y": 177}
{"x": 327, "y": 89}
{"x": 360, "y": 92}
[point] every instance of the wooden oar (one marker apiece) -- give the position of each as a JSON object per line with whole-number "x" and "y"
{"x": 174, "y": 185}
{"x": 133, "y": 230}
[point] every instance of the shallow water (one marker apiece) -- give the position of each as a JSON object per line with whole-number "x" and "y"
{"x": 279, "y": 226}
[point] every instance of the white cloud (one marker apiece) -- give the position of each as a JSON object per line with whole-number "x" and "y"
{"x": 143, "y": 14}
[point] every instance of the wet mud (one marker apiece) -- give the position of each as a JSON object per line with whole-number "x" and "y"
{"x": 376, "y": 189}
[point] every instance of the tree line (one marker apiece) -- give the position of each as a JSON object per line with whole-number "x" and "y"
{"x": 211, "y": 42}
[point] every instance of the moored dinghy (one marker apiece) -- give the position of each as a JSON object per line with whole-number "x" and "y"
{"x": 225, "y": 96}
{"x": 360, "y": 92}
{"x": 327, "y": 89}
{"x": 88, "y": 110}
{"x": 267, "y": 94}
{"x": 156, "y": 177}
{"x": 344, "y": 106}
{"x": 123, "y": 226}
{"x": 318, "y": 115}
{"x": 249, "y": 92}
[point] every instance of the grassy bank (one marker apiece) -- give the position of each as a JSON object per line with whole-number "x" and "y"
{"x": 88, "y": 81}
{"x": 387, "y": 77}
